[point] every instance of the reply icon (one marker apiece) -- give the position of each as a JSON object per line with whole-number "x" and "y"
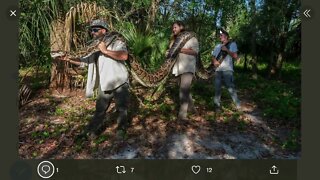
{"x": 46, "y": 169}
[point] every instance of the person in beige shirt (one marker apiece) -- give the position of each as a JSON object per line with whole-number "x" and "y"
{"x": 185, "y": 68}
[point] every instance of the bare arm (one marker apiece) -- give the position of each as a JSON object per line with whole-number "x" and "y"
{"x": 118, "y": 55}
{"x": 215, "y": 62}
{"x": 234, "y": 55}
{"x": 188, "y": 51}
{"x": 75, "y": 61}
{"x": 192, "y": 49}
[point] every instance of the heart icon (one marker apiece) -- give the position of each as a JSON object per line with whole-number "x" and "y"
{"x": 195, "y": 169}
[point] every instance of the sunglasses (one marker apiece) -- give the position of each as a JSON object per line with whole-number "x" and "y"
{"x": 95, "y": 29}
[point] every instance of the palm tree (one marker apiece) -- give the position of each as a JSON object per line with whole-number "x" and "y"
{"x": 148, "y": 48}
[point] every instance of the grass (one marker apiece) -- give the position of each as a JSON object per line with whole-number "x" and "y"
{"x": 40, "y": 134}
{"x": 276, "y": 98}
{"x": 279, "y": 100}
{"x": 101, "y": 139}
{"x": 293, "y": 141}
{"x": 36, "y": 77}
{"x": 59, "y": 112}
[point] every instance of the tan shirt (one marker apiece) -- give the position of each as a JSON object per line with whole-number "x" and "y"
{"x": 186, "y": 63}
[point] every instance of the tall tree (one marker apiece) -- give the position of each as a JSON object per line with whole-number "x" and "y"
{"x": 276, "y": 19}
{"x": 253, "y": 30}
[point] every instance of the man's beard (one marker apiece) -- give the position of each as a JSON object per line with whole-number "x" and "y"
{"x": 98, "y": 36}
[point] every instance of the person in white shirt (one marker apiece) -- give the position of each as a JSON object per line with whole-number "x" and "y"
{"x": 108, "y": 73}
{"x": 222, "y": 58}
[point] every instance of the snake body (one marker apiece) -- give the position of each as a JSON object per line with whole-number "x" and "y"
{"x": 155, "y": 79}
{"x": 144, "y": 77}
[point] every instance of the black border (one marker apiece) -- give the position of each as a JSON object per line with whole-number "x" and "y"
{"x": 307, "y": 165}
{"x": 9, "y": 85}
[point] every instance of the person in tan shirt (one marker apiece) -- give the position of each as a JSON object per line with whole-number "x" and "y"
{"x": 185, "y": 68}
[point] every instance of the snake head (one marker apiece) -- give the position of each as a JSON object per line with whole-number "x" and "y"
{"x": 55, "y": 54}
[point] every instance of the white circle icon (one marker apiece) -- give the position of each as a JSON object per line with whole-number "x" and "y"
{"x": 45, "y": 169}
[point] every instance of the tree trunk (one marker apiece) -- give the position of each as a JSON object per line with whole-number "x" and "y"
{"x": 279, "y": 64}
{"x": 62, "y": 75}
{"x": 57, "y": 41}
{"x": 152, "y": 14}
{"x": 245, "y": 66}
{"x": 280, "y": 38}
{"x": 254, "y": 68}
{"x": 254, "y": 56}
{"x": 277, "y": 58}
{"x": 272, "y": 64}
{"x": 253, "y": 40}
{"x": 65, "y": 37}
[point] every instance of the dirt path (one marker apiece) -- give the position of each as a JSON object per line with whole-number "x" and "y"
{"x": 50, "y": 123}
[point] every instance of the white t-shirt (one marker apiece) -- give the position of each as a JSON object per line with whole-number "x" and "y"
{"x": 112, "y": 73}
{"x": 186, "y": 63}
{"x": 227, "y": 63}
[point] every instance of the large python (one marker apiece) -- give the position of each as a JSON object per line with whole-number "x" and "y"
{"x": 144, "y": 77}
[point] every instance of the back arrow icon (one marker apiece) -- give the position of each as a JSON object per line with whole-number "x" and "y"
{"x": 306, "y": 13}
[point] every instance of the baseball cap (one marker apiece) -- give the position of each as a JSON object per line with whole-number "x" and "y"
{"x": 222, "y": 31}
{"x": 99, "y": 23}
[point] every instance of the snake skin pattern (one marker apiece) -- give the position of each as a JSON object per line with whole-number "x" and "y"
{"x": 155, "y": 79}
{"x": 144, "y": 77}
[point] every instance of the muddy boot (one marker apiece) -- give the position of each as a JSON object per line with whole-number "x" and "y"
{"x": 122, "y": 124}
{"x": 192, "y": 110}
{"x": 94, "y": 128}
{"x": 217, "y": 109}
{"x": 182, "y": 116}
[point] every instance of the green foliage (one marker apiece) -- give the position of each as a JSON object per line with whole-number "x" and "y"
{"x": 34, "y": 30}
{"x": 203, "y": 94}
{"x": 293, "y": 141}
{"x": 35, "y": 77}
{"x": 35, "y": 154}
{"x": 149, "y": 49}
{"x": 241, "y": 125}
{"x": 277, "y": 99}
{"x": 274, "y": 25}
{"x": 210, "y": 117}
{"x": 40, "y": 134}
{"x": 165, "y": 108}
{"x": 140, "y": 3}
{"x": 101, "y": 139}
{"x": 59, "y": 112}
{"x": 291, "y": 73}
